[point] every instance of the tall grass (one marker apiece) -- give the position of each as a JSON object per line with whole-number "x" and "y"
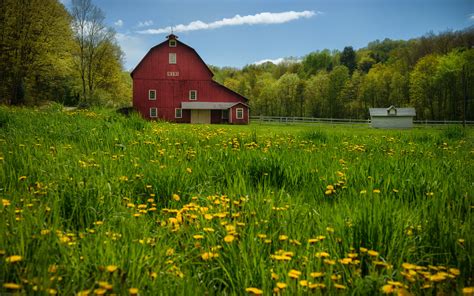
{"x": 89, "y": 190}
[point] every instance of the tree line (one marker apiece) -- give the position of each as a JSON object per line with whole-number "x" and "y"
{"x": 48, "y": 53}
{"x": 433, "y": 73}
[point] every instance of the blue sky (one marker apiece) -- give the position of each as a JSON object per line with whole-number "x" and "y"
{"x": 274, "y": 29}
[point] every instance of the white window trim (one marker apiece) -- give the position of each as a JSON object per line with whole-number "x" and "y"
{"x": 156, "y": 112}
{"x": 172, "y": 61}
{"x": 237, "y": 113}
{"x": 172, "y": 43}
{"x": 175, "y": 113}
{"x": 195, "y": 96}
{"x": 149, "y": 92}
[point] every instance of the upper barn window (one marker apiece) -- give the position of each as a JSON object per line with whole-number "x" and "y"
{"x": 172, "y": 43}
{"x": 172, "y": 58}
{"x": 152, "y": 94}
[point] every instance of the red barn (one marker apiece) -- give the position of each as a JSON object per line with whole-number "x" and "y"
{"x": 173, "y": 83}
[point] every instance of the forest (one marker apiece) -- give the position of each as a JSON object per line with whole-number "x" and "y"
{"x": 49, "y": 53}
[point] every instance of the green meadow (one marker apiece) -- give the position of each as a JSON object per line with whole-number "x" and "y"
{"x": 94, "y": 203}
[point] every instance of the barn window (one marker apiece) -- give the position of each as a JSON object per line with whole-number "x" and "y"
{"x": 153, "y": 112}
{"x": 193, "y": 95}
{"x": 239, "y": 113}
{"x": 172, "y": 58}
{"x": 172, "y": 43}
{"x": 152, "y": 94}
{"x": 178, "y": 113}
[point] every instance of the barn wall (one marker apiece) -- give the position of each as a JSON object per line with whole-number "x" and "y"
{"x": 391, "y": 122}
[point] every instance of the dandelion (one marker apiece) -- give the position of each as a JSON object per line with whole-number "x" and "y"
{"x": 322, "y": 255}
{"x": 316, "y": 286}
{"x": 303, "y": 283}
{"x": 14, "y": 259}
{"x": 22, "y": 178}
{"x": 254, "y": 291}
{"x": 11, "y": 286}
{"x": 189, "y": 170}
{"x": 281, "y": 286}
{"x": 373, "y": 253}
{"x": 100, "y": 291}
{"x": 294, "y": 274}
{"x": 176, "y": 197}
{"x": 229, "y": 238}
{"x": 198, "y": 236}
{"x": 363, "y": 192}
{"x": 282, "y": 237}
{"x": 111, "y": 268}
{"x": 468, "y": 290}
{"x": 388, "y": 289}
{"x": 133, "y": 291}
{"x": 376, "y": 191}
{"x": 316, "y": 274}
{"x": 340, "y": 287}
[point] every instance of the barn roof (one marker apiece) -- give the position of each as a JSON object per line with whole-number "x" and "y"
{"x": 392, "y": 111}
{"x": 171, "y": 36}
{"x": 209, "y": 105}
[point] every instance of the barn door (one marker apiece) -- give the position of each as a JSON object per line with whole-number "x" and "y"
{"x": 200, "y": 116}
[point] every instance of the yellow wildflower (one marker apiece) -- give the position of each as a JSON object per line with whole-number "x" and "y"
{"x": 281, "y": 285}
{"x": 373, "y": 253}
{"x": 14, "y": 259}
{"x": 189, "y": 170}
{"x": 229, "y": 238}
{"x": 254, "y": 291}
{"x": 293, "y": 273}
{"x": 322, "y": 255}
{"x": 11, "y": 286}
{"x": 340, "y": 287}
{"x": 316, "y": 274}
{"x": 111, "y": 268}
{"x": 468, "y": 290}
{"x": 176, "y": 197}
{"x": 133, "y": 291}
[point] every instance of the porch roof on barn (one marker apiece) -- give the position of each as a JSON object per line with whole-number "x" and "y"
{"x": 209, "y": 105}
{"x": 392, "y": 111}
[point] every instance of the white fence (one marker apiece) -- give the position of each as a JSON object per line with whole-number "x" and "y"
{"x": 292, "y": 120}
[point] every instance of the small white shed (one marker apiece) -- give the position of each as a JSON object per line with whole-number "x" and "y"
{"x": 392, "y": 117}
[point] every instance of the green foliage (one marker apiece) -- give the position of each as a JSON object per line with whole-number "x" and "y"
{"x": 432, "y": 73}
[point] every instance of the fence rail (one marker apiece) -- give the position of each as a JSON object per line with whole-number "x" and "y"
{"x": 291, "y": 120}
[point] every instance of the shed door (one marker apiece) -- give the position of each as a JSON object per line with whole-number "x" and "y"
{"x": 200, "y": 116}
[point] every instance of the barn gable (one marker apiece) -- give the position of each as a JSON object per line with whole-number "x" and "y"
{"x": 148, "y": 64}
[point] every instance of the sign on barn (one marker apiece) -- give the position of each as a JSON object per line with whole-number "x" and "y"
{"x": 392, "y": 117}
{"x": 173, "y": 83}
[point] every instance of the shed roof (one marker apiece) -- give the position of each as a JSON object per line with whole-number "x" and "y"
{"x": 386, "y": 111}
{"x": 209, "y": 105}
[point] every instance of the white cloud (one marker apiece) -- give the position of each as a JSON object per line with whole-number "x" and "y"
{"x": 145, "y": 24}
{"x": 277, "y": 61}
{"x": 118, "y": 23}
{"x": 471, "y": 17}
{"x": 257, "y": 19}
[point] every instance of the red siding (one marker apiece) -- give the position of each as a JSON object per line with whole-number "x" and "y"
{"x": 151, "y": 73}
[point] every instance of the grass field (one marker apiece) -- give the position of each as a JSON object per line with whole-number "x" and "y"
{"x": 93, "y": 202}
